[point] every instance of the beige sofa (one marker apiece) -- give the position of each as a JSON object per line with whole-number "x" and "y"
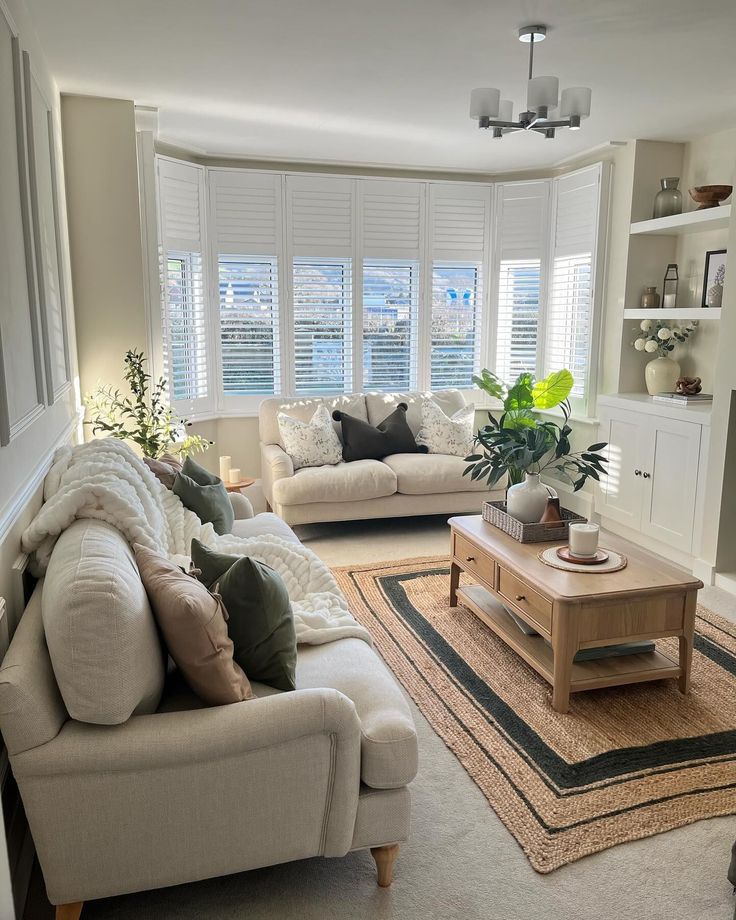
{"x": 186, "y": 792}
{"x": 400, "y": 485}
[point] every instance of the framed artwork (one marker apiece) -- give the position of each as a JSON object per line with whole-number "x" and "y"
{"x": 714, "y": 276}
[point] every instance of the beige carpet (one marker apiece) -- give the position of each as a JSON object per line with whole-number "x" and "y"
{"x": 460, "y": 862}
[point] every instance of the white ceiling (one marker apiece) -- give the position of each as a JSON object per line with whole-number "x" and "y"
{"x": 386, "y": 82}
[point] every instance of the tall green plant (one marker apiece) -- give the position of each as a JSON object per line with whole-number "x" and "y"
{"x": 144, "y": 417}
{"x": 519, "y": 442}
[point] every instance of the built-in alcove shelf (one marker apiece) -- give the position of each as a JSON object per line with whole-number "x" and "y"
{"x": 689, "y": 222}
{"x": 674, "y": 313}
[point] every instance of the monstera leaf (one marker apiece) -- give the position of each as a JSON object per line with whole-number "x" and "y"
{"x": 551, "y": 391}
{"x": 489, "y": 382}
{"x": 520, "y": 394}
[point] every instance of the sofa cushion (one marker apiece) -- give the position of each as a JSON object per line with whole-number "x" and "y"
{"x": 345, "y": 482}
{"x": 164, "y": 468}
{"x": 210, "y": 503}
{"x": 100, "y": 631}
{"x": 303, "y": 409}
{"x": 429, "y": 474}
{"x": 363, "y": 441}
{"x": 378, "y": 405}
{"x": 310, "y": 443}
{"x": 388, "y": 737}
{"x": 447, "y": 434}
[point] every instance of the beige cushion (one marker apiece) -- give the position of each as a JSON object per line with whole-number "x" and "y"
{"x": 303, "y": 409}
{"x": 164, "y": 469}
{"x": 101, "y": 635}
{"x": 388, "y": 738}
{"x": 378, "y": 405}
{"x": 345, "y": 482}
{"x": 193, "y": 623}
{"x": 311, "y": 443}
{"x": 428, "y": 474}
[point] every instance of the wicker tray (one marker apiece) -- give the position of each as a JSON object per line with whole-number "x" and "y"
{"x": 495, "y": 513}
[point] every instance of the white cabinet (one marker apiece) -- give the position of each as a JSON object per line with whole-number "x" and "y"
{"x": 654, "y": 470}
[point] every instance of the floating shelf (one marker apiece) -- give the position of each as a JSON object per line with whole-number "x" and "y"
{"x": 689, "y": 222}
{"x": 674, "y": 313}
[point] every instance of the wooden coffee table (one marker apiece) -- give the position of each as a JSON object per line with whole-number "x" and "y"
{"x": 648, "y": 599}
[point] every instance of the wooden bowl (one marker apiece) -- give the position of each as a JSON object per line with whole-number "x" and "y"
{"x": 709, "y": 196}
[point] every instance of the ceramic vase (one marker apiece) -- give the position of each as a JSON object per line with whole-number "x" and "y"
{"x": 526, "y": 501}
{"x": 650, "y": 298}
{"x": 668, "y": 200}
{"x": 714, "y": 297}
{"x": 661, "y": 375}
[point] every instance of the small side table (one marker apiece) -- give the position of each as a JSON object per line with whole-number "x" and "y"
{"x": 237, "y": 486}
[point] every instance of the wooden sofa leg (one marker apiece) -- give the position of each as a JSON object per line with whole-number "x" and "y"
{"x": 69, "y": 911}
{"x": 385, "y": 858}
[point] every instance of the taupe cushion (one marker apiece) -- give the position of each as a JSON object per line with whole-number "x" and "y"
{"x": 164, "y": 469}
{"x": 192, "y": 621}
{"x": 378, "y": 405}
{"x": 388, "y": 746}
{"x": 430, "y": 474}
{"x": 100, "y": 631}
{"x": 344, "y": 482}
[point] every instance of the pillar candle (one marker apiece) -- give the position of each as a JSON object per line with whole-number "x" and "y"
{"x": 225, "y": 467}
{"x": 235, "y": 476}
{"x": 584, "y": 539}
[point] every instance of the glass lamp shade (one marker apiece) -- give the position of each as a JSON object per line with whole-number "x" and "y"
{"x": 506, "y": 110}
{"x": 484, "y": 102}
{"x": 542, "y": 91}
{"x": 575, "y": 100}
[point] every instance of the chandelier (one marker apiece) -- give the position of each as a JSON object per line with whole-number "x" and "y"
{"x": 490, "y": 111}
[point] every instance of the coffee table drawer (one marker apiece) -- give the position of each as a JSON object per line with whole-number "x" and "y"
{"x": 526, "y": 600}
{"x": 474, "y": 560}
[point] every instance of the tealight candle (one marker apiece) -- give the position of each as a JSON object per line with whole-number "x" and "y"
{"x": 235, "y": 476}
{"x": 225, "y": 467}
{"x": 584, "y": 540}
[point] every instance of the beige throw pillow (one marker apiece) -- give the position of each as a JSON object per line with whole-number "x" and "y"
{"x": 441, "y": 434}
{"x": 193, "y": 624}
{"x": 312, "y": 443}
{"x": 164, "y": 469}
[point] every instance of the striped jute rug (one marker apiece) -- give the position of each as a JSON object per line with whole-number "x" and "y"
{"x": 624, "y": 763}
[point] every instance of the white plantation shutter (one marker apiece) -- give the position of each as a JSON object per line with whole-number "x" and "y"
{"x": 245, "y": 210}
{"x": 392, "y": 225}
{"x": 320, "y": 232}
{"x": 574, "y": 240}
{"x": 459, "y": 222}
{"x": 184, "y": 319}
{"x": 521, "y": 241}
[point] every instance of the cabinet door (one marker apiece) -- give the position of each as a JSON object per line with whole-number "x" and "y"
{"x": 620, "y": 493}
{"x": 670, "y": 482}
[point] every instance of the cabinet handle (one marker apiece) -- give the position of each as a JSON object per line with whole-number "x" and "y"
{"x": 520, "y": 597}
{"x": 470, "y": 559}
{"x": 647, "y": 476}
{"x": 637, "y": 472}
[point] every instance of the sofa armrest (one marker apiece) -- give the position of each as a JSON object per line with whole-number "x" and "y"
{"x": 242, "y": 507}
{"x": 275, "y": 464}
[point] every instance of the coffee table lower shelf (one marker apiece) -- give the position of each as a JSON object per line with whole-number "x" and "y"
{"x": 586, "y": 675}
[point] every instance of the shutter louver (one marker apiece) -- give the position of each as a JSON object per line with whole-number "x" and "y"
{"x": 392, "y": 218}
{"x": 320, "y": 216}
{"x": 246, "y": 211}
{"x": 574, "y": 240}
{"x": 521, "y": 239}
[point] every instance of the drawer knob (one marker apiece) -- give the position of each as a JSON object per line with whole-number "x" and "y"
{"x": 637, "y": 472}
{"x": 470, "y": 559}
{"x": 520, "y": 597}
{"x": 646, "y": 475}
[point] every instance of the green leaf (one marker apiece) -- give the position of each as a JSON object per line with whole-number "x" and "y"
{"x": 490, "y": 383}
{"x": 594, "y": 447}
{"x": 552, "y": 390}
{"x": 520, "y": 394}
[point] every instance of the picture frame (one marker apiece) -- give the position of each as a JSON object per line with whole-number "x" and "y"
{"x": 714, "y": 275}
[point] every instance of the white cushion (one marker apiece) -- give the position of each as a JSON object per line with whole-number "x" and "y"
{"x": 356, "y": 481}
{"x": 378, "y": 405}
{"x": 432, "y": 474}
{"x": 441, "y": 434}
{"x": 312, "y": 443}
{"x": 100, "y": 631}
{"x": 304, "y": 409}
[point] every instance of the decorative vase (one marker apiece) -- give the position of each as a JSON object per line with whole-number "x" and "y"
{"x": 650, "y": 298}
{"x": 527, "y": 500}
{"x": 661, "y": 375}
{"x": 714, "y": 297}
{"x": 552, "y": 513}
{"x": 668, "y": 200}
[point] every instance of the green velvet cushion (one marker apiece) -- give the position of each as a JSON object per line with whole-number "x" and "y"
{"x": 198, "y": 473}
{"x": 209, "y": 502}
{"x": 261, "y": 623}
{"x": 363, "y": 441}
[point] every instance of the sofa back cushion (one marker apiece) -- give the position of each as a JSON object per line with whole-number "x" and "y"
{"x": 378, "y": 405}
{"x": 100, "y": 632}
{"x": 304, "y": 409}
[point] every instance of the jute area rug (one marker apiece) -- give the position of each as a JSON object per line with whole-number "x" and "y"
{"x": 623, "y": 763}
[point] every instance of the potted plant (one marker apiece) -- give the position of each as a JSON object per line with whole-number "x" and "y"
{"x": 144, "y": 417}
{"x": 519, "y": 444}
{"x": 659, "y": 337}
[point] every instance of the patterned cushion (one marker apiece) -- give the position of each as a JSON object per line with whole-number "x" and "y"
{"x": 313, "y": 443}
{"x": 443, "y": 435}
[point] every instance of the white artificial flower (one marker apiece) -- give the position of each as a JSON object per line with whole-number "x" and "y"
{"x": 645, "y": 325}
{"x": 650, "y": 346}
{"x": 664, "y": 334}
{"x": 639, "y": 344}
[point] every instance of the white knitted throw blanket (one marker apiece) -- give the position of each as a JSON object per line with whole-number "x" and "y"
{"x": 104, "y": 479}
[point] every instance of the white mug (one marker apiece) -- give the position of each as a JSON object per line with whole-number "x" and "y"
{"x": 584, "y": 540}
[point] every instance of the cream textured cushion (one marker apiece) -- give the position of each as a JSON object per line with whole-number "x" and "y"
{"x": 100, "y": 631}
{"x": 378, "y": 405}
{"x": 313, "y": 443}
{"x": 345, "y": 482}
{"x": 304, "y": 409}
{"x": 443, "y": 435}
{"x": 431, "y": 474}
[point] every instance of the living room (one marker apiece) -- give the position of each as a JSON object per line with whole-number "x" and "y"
{"x": 367, "y": 534}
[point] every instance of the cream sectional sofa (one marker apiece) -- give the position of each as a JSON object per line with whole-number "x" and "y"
{"x": 399, "y": 485}
{"x": 179, "y": 792}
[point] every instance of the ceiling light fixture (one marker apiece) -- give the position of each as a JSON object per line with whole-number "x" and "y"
{"x": 490, "y": 111}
